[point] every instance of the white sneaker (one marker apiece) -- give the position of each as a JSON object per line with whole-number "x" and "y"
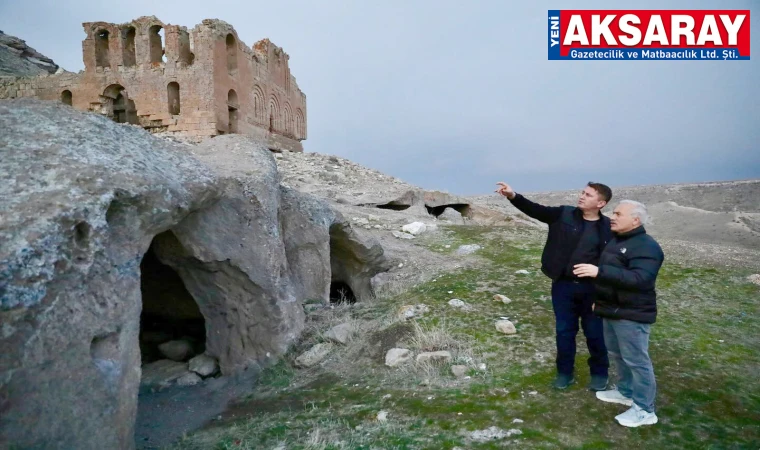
{"x": 635, "y": 417}
{"x": 614, "y": 396}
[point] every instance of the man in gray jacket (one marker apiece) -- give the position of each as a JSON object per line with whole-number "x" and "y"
{"x": 627, "y": 302}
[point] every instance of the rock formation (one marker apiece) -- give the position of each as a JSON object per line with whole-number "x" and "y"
{"x": 19, "y": 60}
{"x": 85, "y": 203}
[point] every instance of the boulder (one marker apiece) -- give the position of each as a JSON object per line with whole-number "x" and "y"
{"x": 341, "y": 334}
{"x": 179, "y": 350}
{"x": 459, "y": 371}
{"x": 414, "y": 228}
{"x": 409, "y": 311}
{"x": 189, "y": 379}
{"x": 162, "y": 373}
{"x": 203, "y": 365}
{"x": 451, "y": 215}
{"x": 502, "y": 298}
{"x": 397, "y": 356}
{"x": 456, "y": 303}
{"x": 506, "y": 327}
{"x": 467, "y": 249}
{"x": 434, "y": 357}
{"x": 314, "y": 355}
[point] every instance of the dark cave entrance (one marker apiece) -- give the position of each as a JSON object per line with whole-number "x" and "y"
{"x": 169, "y": 313}
{"x": 341, "y": 292}
{"x": 395, "y": 206}
{"x": 461, "y": 208}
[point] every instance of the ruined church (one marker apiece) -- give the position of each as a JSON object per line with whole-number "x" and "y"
{"x": 201, "y": 83}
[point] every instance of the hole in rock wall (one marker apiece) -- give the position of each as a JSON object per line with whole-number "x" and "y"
{"x": 171, "y": 324}
{"x": 461, "y": 208}
{"x": 341, "y": 292}
{"x": 394, "y": 206}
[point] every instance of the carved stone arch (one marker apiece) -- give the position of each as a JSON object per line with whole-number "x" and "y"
{"x": 117, "y": 105}
{"x": 95, "y": 27}
{"x": 156, "y": 43}
{"x": 128, "y": 43}
{"x": 300, "y": 131}
{"x": 106, "y": 38}
{"x": 259, "y": 107}
{"x": 287, "y": 119}
{"x": 274, "y": 113}
{"x": 232, "y": 109}
{"x": 231, "y": 43}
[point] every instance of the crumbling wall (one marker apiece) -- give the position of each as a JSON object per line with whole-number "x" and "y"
{"x": 209, "y": 64}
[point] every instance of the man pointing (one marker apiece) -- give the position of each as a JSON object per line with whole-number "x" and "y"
{"x": 577, "y": 235}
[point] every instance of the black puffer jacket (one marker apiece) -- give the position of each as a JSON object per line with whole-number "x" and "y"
{"x": 565, "y": 229}
{"x": 625, "y": 285}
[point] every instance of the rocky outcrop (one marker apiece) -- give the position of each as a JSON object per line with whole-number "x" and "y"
{"x": 82, "y": 201}
{"x": 18, "y": 59}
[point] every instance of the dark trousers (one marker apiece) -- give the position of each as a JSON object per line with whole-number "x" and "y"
{"x": 572, "y": 302}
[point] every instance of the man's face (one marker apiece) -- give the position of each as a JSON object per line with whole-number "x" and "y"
{"x": 590, "y": 200}
{"x": 622, "y": 220}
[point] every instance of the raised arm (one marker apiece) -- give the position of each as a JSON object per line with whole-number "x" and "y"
{"x": 546, "y": 214}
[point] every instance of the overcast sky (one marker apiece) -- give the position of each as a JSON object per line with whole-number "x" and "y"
{"x": 457, "y": 95}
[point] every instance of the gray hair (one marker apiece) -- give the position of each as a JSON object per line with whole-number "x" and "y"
{"x": 639, "y": 210}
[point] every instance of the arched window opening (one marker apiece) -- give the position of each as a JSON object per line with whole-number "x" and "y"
{"x": 155, "y": 34}
{"x": 128, "y": 37}
{"x": 232, "y": 108}
{"x": 101, "y": 49}
{"x": 172, "y": 92}
{"x": 231, "y": 54}
{"x": 66, "y": 97}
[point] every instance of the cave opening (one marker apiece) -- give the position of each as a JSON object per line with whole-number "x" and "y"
{"x": 341, "y": 292}
{"x": 461, "y": 208}
{"x": 171, "y": 324}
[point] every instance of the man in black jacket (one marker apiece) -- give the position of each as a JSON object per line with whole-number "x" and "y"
{"x": 577, "y": 235}
{"x": 626, "y": 299}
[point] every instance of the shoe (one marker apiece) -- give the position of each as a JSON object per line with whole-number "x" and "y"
{"x": 614, "y": 396}
{"x": 563, "y": 381}
{"x": 597, "y": 383}
{"x": 635, "y": 417}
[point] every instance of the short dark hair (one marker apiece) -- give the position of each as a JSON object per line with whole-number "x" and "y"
{"x": 604, "y": 191}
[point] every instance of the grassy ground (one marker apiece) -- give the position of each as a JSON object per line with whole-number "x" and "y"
{"x": 705, "y": 347}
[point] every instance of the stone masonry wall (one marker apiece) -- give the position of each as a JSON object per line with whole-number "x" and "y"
{"x": 223, "y": 85}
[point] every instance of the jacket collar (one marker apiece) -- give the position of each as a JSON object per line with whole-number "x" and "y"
{"x": 636, "y": 231}
{"x": 579, "y": 215}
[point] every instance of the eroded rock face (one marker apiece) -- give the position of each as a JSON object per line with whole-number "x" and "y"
{"x": 324, "y": 248}
{"x": 18, "y": 59}
{"x": 82, "y": 200}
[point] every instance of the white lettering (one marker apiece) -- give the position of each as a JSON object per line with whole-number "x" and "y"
{"x": 709, "y": 32}
{"x": 575, "y": 31}
{"x": 655, "y": 31}
{"x": 626, "y": 27}
{"x": 599, "y": 29}
{"x": 677, "y": 30}
{"x": 732, "y": 28}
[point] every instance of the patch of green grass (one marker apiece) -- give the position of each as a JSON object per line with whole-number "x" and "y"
{"x": 705, "y": 348}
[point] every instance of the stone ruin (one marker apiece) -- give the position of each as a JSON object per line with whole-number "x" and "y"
{"x": 123, "y": 255}
{"x": 200, "y": 83}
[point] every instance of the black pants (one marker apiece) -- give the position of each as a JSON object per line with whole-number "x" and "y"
{"x": 572, "y": 302}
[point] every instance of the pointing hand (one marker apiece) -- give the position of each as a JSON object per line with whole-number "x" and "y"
{"x": 505, "y": 190}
